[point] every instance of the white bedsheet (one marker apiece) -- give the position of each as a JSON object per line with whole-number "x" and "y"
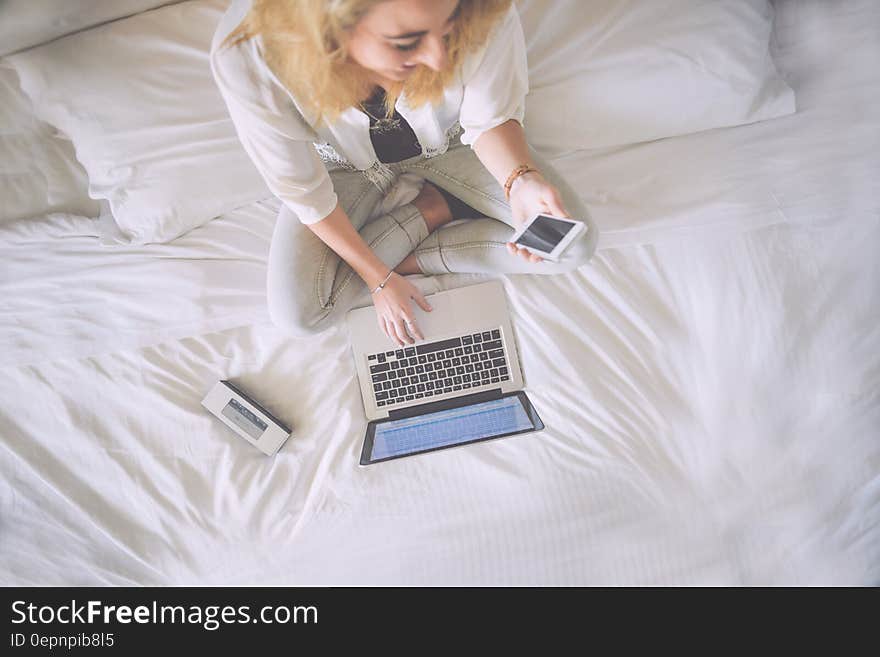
{"x": 711, "y": 402}
{"x": 712, "y": 418}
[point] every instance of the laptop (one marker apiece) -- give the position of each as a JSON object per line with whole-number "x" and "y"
{"x": 461, "y": 384}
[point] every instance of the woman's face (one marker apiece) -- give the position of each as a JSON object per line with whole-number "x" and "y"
{"x": 395, "y": 36}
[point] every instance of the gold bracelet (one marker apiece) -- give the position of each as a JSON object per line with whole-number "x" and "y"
{"x": 519, "y": 171}
{"x": 382, "y": 284}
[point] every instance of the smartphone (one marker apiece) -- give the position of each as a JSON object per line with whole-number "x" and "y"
{"x": 548, "y": 236}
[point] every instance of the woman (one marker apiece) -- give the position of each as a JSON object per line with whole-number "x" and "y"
{"x": 340, "y": 103}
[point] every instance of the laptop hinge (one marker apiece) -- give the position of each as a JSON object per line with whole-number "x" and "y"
{"x": 443, "y": 404}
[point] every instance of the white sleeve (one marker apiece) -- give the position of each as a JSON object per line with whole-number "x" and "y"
{"x": 273, "y": 133}
{"x": 496, "y": 80}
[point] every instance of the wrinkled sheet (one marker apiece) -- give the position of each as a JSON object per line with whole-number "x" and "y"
{"x": 711, "y": 399}
{"x": 712, "y": 413}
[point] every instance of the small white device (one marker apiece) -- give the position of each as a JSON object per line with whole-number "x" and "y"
{"x": 246, "y": 417}
{"x": 548, "y": 236}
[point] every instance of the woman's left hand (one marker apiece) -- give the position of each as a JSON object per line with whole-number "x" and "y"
{"x": 530, "y": 194}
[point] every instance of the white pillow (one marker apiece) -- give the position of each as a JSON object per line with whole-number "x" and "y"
{"x": 27, "y": 23}
{"x": 613, "y": 72}
{"x": 39, "y": 173}
{"x": 137, "y": 99}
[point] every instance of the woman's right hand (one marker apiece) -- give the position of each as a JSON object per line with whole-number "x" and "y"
{"x": 395, "y": 311}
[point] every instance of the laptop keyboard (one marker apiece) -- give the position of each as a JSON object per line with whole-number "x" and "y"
{"x": 473, "y": 361}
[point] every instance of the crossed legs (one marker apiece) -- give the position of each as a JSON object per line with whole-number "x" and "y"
{"x": 310, "y": 287}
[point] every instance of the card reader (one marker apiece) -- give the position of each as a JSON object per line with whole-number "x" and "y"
{"x": 246, "y": 417}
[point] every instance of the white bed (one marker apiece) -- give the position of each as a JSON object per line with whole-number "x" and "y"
{"x": 711, "y": 400}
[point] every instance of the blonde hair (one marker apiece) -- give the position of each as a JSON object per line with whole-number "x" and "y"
{"x": 302, "y": 43}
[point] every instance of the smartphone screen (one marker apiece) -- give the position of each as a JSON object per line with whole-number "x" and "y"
{"x": 545, "y": 233}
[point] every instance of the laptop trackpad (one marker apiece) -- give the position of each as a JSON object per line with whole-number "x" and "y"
{"x": 457, "y": 312}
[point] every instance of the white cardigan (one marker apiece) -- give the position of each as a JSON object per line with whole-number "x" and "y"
{"x": 294, "y": 157}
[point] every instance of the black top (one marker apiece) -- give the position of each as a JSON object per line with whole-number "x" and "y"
{"x": 393, "y": 139}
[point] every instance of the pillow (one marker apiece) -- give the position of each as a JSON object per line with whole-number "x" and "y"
{"x": 137, "y": 99}
{"x": 26, "y": 23}
{"x": 615, "y": 72}
{"x": 39, "y": 173}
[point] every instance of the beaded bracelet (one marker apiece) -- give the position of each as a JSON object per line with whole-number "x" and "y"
{"x": 519, "y": 171}
{"x": 382, "y": 284}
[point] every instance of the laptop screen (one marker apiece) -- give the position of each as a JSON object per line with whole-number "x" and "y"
{"x": 450, "y": 427}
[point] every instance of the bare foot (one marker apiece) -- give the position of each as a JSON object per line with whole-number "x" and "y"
{"x": 433, "y": 207}
{"x": 408, "y": 266}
